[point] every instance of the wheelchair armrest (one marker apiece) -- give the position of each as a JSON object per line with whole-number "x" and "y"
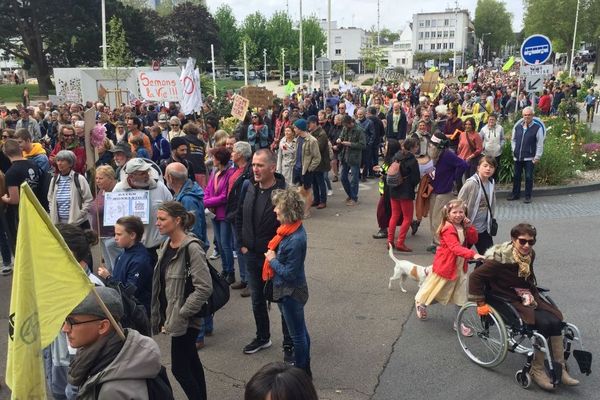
{"x": 497, "y": 298}
{"x": 542, "y": 290}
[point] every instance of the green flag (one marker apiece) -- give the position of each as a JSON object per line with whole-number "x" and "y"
{"x": 290, "y": 87}
{"x": 508, "y": 64}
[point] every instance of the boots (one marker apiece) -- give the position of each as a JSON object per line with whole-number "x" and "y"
{"x": 538, "y": 371}
{"x": 558, "y": 354}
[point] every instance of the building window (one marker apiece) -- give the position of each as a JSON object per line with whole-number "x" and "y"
{"x": 439, "y": 46}
{"x": 420, "y": 47}
{"x": 432, "y": 46}
{"x": 427, "y": 35}
{"x": 445, "y": 34}
{"x": 420, "y": 35}
{"x": 338, "y": 52}
{"x": 446, "y": 22}
{"x": 421, "y": 24}
{"x": 445, "y": 46}
{"x": 433, "y": 23}
{"x": 439, "y": 34}
{"x": 403, "y": 61}
{"x": 451, "y": 46}
{"x": 427, "y": 23}
{"x": 451, "y": 34}
{"x": 452, "y": 22}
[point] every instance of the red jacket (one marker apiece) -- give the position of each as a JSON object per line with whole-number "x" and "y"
{"x": 444, "y": 262}
{"x": 545, "y": 103}
{"x": 80, "y": 155}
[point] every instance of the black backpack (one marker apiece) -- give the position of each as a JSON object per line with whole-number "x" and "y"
{"x": 134, "y": 312}
{"x": 47, "y": 184}
{"x": 159, "y": 387}
{"x": 220, "y": 294}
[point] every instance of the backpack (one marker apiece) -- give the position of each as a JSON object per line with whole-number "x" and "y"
{"x": 159, "y": 387}
{"x": 394, "y": 176}
{"x": 134, "y": 312}
{"x": 48, "y": 182}
{"x": 220, "y": 293}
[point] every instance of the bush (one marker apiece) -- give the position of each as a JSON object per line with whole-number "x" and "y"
{"x": 368, "y": 82}
{"x": 559, "y": 161}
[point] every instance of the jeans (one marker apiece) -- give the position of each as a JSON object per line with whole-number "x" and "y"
{"x": 327, "y": 181}
{"x": 293, "y": 313}
{"x": 367, "y": 161}
{"x": 186, "y": 365}
{"x": 519, "y": 167}
{"x": 254, "y": 264}
{"x": 319, "y": 188}
{"x": 240, "y": 257}
{"x": 350, "y": 187}
{"x": 223, "y": 234}
{"x": 207, "y": 326}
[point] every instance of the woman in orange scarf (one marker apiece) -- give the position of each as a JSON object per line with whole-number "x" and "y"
{"x": 284, "y": 265}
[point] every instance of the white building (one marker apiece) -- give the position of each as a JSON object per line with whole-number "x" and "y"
{"x": 400, "y": 54}
{"x": 443, "y": 32}
{"x": 345, "y": 45}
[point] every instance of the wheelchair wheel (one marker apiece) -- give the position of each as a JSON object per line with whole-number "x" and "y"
{"x": 523, "y": 379}
{"x": 488, "y": 344}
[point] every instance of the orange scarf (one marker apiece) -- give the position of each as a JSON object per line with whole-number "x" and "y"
{"x": 283, "y": 231}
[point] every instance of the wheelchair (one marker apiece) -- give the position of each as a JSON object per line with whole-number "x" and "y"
{"x": 503, "y": 331}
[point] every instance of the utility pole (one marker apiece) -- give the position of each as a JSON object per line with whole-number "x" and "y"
{"x": 245, "y": 66}
{"x": 301, "y": 63}
{"x": 104, "y": 50}
{"x": 313, "y": 66}
{"x": 282, "y": 66}
{"x": 265, "y": 60}
{"x": 455, "y": 37}
{"x": 212, "y": 55}
{"x": 378, "y": 30}
{"x": 329, "y": 29}
{"x": 574, "y": 38}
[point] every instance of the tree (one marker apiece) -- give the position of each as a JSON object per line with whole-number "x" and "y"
{"x": 553, "y": 18}
{"x": 281, "y": 34}
{"x": 229, "y": 35}
{"x": 118, "y": 54}
{"x": 371, "y": 55}
{"x": 312, "y": 36}
{"x": 252, "y": 53}
{"x": 194, "y": 31}
{"x": 254, "y": 27}
{"x": 493, "y": 20}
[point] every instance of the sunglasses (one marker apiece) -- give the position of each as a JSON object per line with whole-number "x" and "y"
{"x": 523, "y": 242}
{"x": 70, "y": 322}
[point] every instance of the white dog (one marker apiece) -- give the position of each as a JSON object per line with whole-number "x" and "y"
{"x": 404, "y": 268}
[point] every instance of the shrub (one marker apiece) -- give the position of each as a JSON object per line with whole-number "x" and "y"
{"x": 368, "y": 82}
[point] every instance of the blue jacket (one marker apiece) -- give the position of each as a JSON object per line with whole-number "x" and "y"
{"x": 134, "y": 267}
{"x": 191, "y": 197}
{"x": 289, "y": 264}
{"x": 528, "y": 144}
{"x": 259, "y": 140}
{"x": 161, "y": 149}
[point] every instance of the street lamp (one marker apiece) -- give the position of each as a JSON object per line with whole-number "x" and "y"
{"x": 574, "y": 36}
{"x": 104, "y": 50}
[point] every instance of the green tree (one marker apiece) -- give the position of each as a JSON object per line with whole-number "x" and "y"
{"x": 553, "y": 18}
{"x": 281, "y": 34}
{"x": 254, "y": 27}
{"x": 252, "y": 53}
{"x": 194, "y": 31}
{"x": 118, "y": 54}
{"x": 312, "y": 36}
{"x": 229, "y": 35}
{"x": 493, "y": 20}
{"x": 372, "y": 56}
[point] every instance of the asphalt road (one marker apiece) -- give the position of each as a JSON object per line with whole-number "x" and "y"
{"x": 366, "y": 341}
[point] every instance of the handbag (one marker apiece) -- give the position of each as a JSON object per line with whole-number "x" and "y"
{"x": 268, "y": 292}
{"x": 220, "y": 293}
{"x": 493, "y": 223}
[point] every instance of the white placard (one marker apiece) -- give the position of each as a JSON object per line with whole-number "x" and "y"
{"x": 160, "y": 86}
{"x": 122, "y": 204}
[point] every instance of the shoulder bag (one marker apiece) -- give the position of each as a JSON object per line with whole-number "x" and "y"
{"x": 493, "y": 223}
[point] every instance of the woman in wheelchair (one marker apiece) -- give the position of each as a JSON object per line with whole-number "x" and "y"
{"x": 508, "y": 272}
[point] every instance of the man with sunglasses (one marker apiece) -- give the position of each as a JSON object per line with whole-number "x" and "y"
{"x": 106, "y": 366}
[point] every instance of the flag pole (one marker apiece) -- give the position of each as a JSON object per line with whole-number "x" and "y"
{"x": 112, "y": 320}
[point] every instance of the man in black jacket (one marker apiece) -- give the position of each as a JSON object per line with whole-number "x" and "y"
{"x": 396, "y": 122}
{"x": 256, "y": 224}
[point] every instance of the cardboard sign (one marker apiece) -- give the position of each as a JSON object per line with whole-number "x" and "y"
{"x": 258, "y": 96}
{"x": 160, "y": 86}
{"x": 430, "y": 81}
{"x": 122, "y": 204}
{"x": 240, "y": 107}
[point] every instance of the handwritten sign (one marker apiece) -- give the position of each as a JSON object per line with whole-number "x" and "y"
{"x": 258, "y": 96}
{"x": 122, "y": 204}
{"x": 160, "y": 86}
{"x": 240, "y": 107}
{"x": 430, "y": 81}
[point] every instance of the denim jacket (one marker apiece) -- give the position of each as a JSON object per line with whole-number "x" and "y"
{"x": 289, "y": 263}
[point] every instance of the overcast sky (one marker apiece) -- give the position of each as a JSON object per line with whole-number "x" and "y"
{"x": 360, "y": 13}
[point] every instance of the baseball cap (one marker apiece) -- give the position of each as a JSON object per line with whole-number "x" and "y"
{"x": 162, "y": 117}
{"x": 136, "y": 165}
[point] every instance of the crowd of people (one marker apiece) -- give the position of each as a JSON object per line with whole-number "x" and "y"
{"x": 434, "y": 155}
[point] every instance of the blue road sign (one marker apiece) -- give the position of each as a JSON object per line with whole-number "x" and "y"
{"x": 536, "y": 49}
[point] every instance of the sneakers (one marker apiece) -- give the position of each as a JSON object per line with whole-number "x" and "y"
{"x": 235, "y": 255}
{"x": 464, "y": 330}
{"x": 288, "y": 355}
{"x": 432, "y": 248}
{"x": 329, "y": 192}
{"x": 239, "y": 285}
{"x": 215, "y": 254}
{"x": 381, "y": 234}
{"x": 6, "y": 270}
{"x": 257, "y": 345}
{"x": 245, "y": 292}
{"x": 421, "y": 311}
{"x": 351, "y": 203}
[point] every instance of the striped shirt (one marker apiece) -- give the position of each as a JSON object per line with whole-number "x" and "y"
{"x": 63, "y": 197}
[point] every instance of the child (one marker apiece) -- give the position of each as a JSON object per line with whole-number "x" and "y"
{"x": 448, "y": 281}
{"x": 138, "y": 144}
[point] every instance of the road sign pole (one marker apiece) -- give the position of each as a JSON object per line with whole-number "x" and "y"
{"x": 518, "y": 87}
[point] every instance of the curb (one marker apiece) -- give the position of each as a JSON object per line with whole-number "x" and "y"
{"x": 555, "y": 191}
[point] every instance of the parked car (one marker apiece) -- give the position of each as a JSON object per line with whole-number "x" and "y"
{"x": 274, "y": 74}
{"x": 251, "y": 75}
{"x": 237, "y": 76}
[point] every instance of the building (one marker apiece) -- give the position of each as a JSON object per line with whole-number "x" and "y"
{"x": 400, "y": 53}
{"x": 437, "y": 33}
{"x": 345, "y": 45}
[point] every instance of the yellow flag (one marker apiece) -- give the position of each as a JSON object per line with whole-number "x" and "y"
{"x": 47, "y": 285}
{"x": 508, "y": 65}
{"x": 290, "y": 87}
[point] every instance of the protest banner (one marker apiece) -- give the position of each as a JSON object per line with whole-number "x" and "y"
{"x": 160, "y": 86}
{"x": 240, "y": 107}
{"x": 122, "y": 204}
{"x": 258, "y": 96}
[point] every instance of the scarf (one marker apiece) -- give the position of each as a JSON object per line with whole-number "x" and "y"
{"x": 92, "y": 359}
{"x": 283, "y": 231}
{"x": 524, "y": 263}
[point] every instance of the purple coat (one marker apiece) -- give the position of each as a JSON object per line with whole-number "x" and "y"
{"x": 448, "y": 168}
{"x": 217, "y": 199}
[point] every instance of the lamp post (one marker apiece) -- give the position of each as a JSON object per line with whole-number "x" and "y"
{"x": 104, "y": 50}
{"x": 574, "y": 36}
{"x": 301, "y": 64}
{"x": 265, "y": 61}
